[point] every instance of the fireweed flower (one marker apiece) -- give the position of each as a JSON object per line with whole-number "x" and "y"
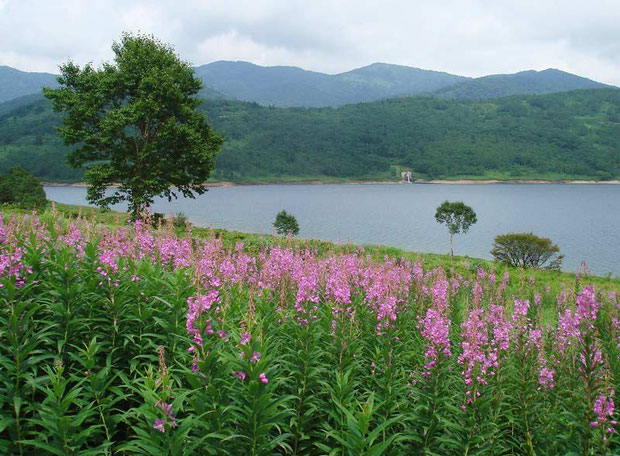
{"x": 537, "y": 299}
{"x": 167, "y": 408}
{"x": 520, "y": 309}
{"x": 196, "y": 307}
{"x": 604, "y": 410}
{"x": 545, "y": 377}
{"x": 474, "y": 359}
{"x": 240, "y": 375}
{"x": 160, "y": 425}
{"x": 263, "y": 378}
{"x": 245, "y": 338}
{"x": 477, "y": 292}
{"x": 436, "y": 326}
{"x": 587, "y": 306}
{"x": 435, "y": 330}
{"x": 255, "y": 357}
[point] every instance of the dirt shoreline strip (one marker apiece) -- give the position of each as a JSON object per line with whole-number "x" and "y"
{"x": 357, "y": 182}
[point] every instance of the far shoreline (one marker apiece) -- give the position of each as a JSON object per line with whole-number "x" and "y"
{"x": 379, "y": 182}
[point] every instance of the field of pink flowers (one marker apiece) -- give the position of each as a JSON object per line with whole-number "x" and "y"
{"x": 126, "y": 340}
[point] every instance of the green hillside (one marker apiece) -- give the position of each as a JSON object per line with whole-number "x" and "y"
{"x": 15, "y": 83}
{"x": 286, "y": 86}
{"x": 522, "y": 83}
{"x": 559, "y": 136}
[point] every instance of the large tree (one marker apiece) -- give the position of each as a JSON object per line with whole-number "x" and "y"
{"x": 135, "y": 124}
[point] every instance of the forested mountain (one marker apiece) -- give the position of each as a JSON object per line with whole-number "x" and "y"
{"x": 291, "y": 86}
{"x": 565, "y": 135}
{"x": 522, "y": 83}
{"x": 284, "y": 86}
{"x": 15, "y": 83}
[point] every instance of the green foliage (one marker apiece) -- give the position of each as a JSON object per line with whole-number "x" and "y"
{"x": 180, "y": 220}
{"x": 286, "y": 224}
{"x": 570, "y": 135}
{"x": 135, "y": 124}
{"x": 22, "y": 189}
{"x": 524, "y": 82}
{"x": 457, "y": 216}
{"x": 87, "y": 359}
{"x": 526, "y": 250}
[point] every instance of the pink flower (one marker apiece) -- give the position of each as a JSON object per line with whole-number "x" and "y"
{"x": 240, "y": 374}
{"x": 255, "y": 357}
{"x": 245, "y": 338}
{"x": 160, "y": 425}
{"x": 166, "y": 408}
{"x": 604, "y": 409}
{"x": 263, "y": 378}
{"x": 545, "y": 377}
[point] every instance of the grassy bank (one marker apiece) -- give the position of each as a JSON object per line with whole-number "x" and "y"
{"x": 254, "y": 242}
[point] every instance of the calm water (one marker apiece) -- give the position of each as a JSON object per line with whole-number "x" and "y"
{"x": 584, "y": 220}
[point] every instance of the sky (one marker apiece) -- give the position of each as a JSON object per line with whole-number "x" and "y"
{"x": 466, "y": 37}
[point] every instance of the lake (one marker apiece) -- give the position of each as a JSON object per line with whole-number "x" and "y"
{"x": 582, "y": 219}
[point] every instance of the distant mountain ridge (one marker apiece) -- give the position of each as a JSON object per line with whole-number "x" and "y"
{"x": 529, "y": 82}
{"x": 15, "y": 83}
{"x": 292, "y": 86}
{"x": 288, "y": 86}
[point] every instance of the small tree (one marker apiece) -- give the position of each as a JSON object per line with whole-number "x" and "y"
{"x": 526, "y": 250}
{"x": 457, "y": 216}
{"x": 21, "y": 188}
{"x": 135, "y": 123}
{"x": 286, "y": 224}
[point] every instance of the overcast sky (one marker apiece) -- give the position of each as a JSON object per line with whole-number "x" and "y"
{"x": 466, "y": 37}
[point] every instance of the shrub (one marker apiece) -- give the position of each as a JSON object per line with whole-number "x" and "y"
{"x": 22, "y": 189}
{"x": 180, "y": 220}
{"x": 286, "y": 224}
{"x": 526, "y": 250}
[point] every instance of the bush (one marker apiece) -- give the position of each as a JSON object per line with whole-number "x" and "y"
{"x": 286, "y": 224}
{"x": 22, "y": 189}
{"x": 180, "y": 220}
{"x": 526, "y": 250}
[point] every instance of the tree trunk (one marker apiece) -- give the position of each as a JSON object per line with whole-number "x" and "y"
{"x": 451, "y": 246}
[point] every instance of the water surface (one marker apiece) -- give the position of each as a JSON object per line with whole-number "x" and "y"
{"x": 584, "y": 220}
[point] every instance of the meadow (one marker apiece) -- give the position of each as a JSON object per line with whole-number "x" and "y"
{"x": 122, "y": 339}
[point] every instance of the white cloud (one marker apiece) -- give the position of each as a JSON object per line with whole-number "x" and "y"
{"x": 469, "y": 37}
